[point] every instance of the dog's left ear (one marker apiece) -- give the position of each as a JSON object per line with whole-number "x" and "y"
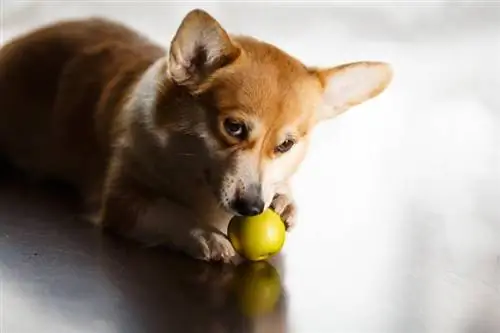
{"x": 199, "y": 47}
{"x": 351, "y": 84}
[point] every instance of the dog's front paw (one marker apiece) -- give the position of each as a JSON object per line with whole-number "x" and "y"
{"x": 285, "y": 206}
{"x": 212, "y": 246}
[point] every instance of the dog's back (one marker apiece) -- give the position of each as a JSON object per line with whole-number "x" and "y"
{"x": 60, "y": 87}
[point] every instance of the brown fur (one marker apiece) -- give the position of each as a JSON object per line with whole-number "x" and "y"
{"x": 71, "y": 109}
{"x": 61, "y": 88}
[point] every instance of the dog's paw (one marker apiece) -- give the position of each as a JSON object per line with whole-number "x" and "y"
{"x": 212, "y": 246}
{"x": 285, "y": 206}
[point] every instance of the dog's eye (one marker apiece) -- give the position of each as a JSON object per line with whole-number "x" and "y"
{"x": 235, "y": 128}
{"x": 285, "y": 146}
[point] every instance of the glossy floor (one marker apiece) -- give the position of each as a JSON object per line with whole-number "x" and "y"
{"x": 62, "y": 276}
{"x": 59, "y": 275}
{"x": 399, "y": 217}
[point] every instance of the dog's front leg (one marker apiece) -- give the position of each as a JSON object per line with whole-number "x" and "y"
{"x": 159, "y": 221}
{"x": 284, "y": 204}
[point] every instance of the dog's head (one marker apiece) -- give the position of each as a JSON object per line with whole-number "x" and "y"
{"x": 259, "y": 106}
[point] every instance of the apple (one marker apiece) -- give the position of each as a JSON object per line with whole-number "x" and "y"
{"x": 258, "y": 288}
{"x": 257, "y": 237}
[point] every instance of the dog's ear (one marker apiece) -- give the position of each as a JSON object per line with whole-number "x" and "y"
{"x": 199, "y": 47}
{"x": 351, "y": 84}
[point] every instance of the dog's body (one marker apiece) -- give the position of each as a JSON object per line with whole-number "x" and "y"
{"x": 168, "y": 145}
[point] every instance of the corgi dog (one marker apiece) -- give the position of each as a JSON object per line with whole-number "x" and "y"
{"x": 165, "y": 146}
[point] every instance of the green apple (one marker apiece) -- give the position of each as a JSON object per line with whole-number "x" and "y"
{"x": 257, "y": 237}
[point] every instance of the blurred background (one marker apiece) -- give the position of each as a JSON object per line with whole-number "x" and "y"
{"x": 399, "y": 198}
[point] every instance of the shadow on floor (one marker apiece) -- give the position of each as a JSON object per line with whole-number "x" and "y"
{"x": 61, "y": 274}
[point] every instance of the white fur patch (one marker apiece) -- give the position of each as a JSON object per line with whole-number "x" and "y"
{"x": 142, "y": 103}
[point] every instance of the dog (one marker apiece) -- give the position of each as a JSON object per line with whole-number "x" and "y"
{"x": 165, "y": 146}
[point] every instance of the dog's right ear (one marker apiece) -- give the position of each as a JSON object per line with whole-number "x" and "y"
{"x": 200, "y": 47}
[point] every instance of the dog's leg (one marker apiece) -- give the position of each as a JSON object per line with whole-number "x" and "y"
{"x": 159, "y": 221}
{"x": 177, "y": 227}
{"x": 285, "y": 206}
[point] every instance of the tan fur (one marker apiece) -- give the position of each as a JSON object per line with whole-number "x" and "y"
{"x": 140, "y": 131}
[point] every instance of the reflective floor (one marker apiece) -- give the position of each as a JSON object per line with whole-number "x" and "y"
{"x": 58, "y": 274}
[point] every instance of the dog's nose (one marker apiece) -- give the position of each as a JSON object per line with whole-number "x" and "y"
{"x": 248, "y": 206}
{"x": 249, "y": 203}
